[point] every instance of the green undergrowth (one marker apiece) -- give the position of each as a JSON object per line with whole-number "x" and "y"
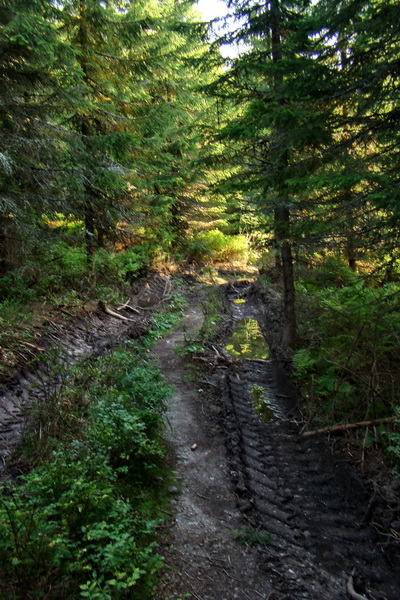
{"x": 57, "y": 283}
{"x": 62, "y": 271}
{"x": 82, "y": 522}
{"x": 348, "y": 354}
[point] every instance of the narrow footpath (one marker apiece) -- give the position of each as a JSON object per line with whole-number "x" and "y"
{"x": 203, "y": 559}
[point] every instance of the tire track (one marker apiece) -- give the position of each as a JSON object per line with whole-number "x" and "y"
{"x": 307, "y": 498}
{"x": 66, "y": 343}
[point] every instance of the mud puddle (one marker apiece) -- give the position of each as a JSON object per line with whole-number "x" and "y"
{"x": 247, "y": 340}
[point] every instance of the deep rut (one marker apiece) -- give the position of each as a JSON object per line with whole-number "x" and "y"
{"x": 66, "y": 342}
{"x": 322, "y": 518}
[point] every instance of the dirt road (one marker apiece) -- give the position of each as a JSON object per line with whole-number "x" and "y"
{"x": 306, "y": 504}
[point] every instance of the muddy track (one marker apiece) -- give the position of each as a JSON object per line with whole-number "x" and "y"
{"x": 323, "y": 519}
{"x": 66, "y": 343}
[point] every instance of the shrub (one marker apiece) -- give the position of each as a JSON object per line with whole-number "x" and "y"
{"x": 13, "y": 286}
{"x": 348, "y": 362}
{"x": 82, "y": 525}
{"x": 217, "y": 246}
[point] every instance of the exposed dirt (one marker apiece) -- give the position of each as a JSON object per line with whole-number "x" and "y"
{"x": 65, "y": 341}
{"x": 203, "y": 558}
{"x": 316, "y": 517}
{"x": 322, "y": 520}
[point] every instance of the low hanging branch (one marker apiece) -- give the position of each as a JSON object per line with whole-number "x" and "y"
{"x": 336, "y": 428}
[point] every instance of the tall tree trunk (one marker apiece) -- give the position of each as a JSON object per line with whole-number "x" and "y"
{"x": 89, "y": 215}
{"x": 350, "y": 246}
{"x": 282, "y": 235}
{"x": 89, "y": 232}
{"x": 282, "y": 212}
{"x": 5, "y": 250}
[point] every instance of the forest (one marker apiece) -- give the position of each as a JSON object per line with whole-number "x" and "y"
{"x": 134, "y": 138}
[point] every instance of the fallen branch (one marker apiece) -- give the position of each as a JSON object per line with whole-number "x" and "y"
{"x": 133, "y": 309}
{"x": 31, "y": 346}
{"x": 102, "y": 304}
{"x": 129, "y": 307}
{"x": 260, "y": 360}
{"x": 335, "y": 428}
{"x": 124, "y": 305}
{"x": 351, "y": 591}
{"x": 208, "y": 383}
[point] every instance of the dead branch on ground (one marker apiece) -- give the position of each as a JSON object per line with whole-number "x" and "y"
{"x": 336, "y": 428}
{"x": 102, "y": 304}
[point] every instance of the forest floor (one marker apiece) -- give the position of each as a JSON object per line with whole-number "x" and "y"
{"x": 258, "y": 510}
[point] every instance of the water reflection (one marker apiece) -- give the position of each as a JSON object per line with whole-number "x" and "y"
{"x": 261, "y": 405}
{"x": 247, "y": 341}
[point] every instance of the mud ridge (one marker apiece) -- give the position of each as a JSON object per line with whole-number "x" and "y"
{"x": 67, "y": 342}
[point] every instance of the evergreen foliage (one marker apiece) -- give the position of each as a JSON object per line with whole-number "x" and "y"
{"x": 125, "y": 137}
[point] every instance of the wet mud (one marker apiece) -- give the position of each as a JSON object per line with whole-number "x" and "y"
{"x": 323, "y": 519}
{"x": 242, "y": 464}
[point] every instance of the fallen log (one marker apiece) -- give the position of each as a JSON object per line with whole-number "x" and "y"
{"x": 336, "y": 428}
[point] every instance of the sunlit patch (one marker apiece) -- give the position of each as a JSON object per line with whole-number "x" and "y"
{"x": 247, "y": 341}
{"x": 262, "y": 406}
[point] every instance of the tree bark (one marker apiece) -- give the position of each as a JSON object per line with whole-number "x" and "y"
{"x": 282, "y": 212}
{"x": 5, "y": 252}
{"x": 282, "y": 232}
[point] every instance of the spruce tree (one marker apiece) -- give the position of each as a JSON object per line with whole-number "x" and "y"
{"x": 35, "y": 78}
{"x": 282, "y": 124}
{"x": 356, "y": 188}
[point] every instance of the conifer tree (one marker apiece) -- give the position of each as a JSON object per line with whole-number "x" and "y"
{"x": 35, "y": 78}
{"x": 169, "y": 124}
{"x": 363, "y": 186}
{"x": 111, "y": 41}
{"x": 134, "y": 126}
{"x": 282, "y": 123}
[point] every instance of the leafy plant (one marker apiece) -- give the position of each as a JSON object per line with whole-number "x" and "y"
{"x": 81, "y": 524}
{"x": 350, "y": 348}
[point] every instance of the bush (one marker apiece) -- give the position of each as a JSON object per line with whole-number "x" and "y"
{"x": 133, "y": 261}
{"x": 79, "y": 526}
{"x": 348, "y": 362}
{"x": 217, "y": 246}
{"x": 66, "y": 528}
{"x": 13, "y": 286}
